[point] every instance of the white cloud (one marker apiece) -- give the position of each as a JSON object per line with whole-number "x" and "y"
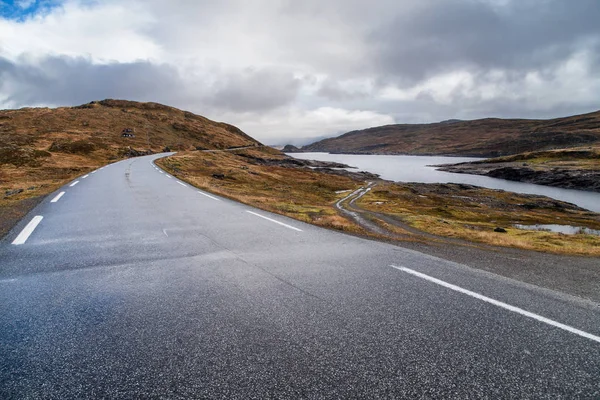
{"x": 24, "y": 4}
{"x": 311, "y": 68}
{"x": 298, "y": 126}
{"x": 103, "y": 32}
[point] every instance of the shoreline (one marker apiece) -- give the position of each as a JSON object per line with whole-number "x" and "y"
{"x": 574, "y": 179}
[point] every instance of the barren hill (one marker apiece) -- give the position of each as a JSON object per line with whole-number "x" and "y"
{"x": 42, "y": 148}
{"x": 488, "y": 137}
{"x": 106, "y": 127}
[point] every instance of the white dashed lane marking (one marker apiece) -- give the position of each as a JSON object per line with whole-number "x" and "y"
{"x": 28, "y": 230}
{"x": 272, "y": 220}
{"x": 500, "y": 304}
{"x": 208, "y": 195}
{"x": 57, "y": 198}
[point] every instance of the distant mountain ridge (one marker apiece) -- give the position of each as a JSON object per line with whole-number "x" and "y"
{"x": 489, "y": 137}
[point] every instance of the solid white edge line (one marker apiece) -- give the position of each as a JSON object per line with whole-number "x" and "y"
{"x": 74, "y": 183}
{"x": 85, "y": 176}
{"x": 182, "y": 184}
{"x": 272, "y": 220}
{"x": 57, "y": 198}
{"x": 500, "y": 304}
{"x": 28, "y": 230}
{"x": 208, "y": 195}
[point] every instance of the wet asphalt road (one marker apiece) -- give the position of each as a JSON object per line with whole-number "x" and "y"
{"x": 134, "y": 285}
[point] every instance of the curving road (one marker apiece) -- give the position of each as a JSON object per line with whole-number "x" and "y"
{"x": 133, "y": 284}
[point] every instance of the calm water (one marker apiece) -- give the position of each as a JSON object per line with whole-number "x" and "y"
{"x": 415, "y": 169}
{"x": 566, "y": 229}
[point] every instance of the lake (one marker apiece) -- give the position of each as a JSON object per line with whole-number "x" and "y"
{"x": 417, "y": 169}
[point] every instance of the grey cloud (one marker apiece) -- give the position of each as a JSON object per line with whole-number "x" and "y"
{"x": 333, "y": 90}
{"x": 67, "y": 81}
{"x": 425, "y": 109}
{"x": 522, "y": 35}
{"x": 294, "y": 45}
{"x": 255, "y": 90}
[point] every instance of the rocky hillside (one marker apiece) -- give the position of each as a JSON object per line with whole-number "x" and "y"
{"x": 490, "y": 137}
{"x": 42, "y": 148}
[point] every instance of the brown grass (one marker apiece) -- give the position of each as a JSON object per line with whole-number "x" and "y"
{"x": 579, "y": 159}
{"x": 299, "y": 193}
{"x": 487, "y": 137}
{"x": 471, "y": 213}
{"x": 448, "y": 211}
{"x": 41, "y": 149}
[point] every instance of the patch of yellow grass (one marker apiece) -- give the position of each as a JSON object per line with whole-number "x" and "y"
{"x": 298, "y": 193}
{"x": 443, "y": 210}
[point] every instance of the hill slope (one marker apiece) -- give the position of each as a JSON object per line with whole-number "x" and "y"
{"x": 43, "y": 148}
{"x": 488, "y": 137}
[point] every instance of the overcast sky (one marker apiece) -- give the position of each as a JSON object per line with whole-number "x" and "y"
{"x": 291, "y": 71}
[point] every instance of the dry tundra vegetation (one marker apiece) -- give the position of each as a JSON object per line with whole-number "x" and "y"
{"x": 414, "y": 212}
{"x": 42, "y": 149}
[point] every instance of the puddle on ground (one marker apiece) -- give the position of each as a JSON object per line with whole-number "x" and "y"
{"x": 566, "y": 229}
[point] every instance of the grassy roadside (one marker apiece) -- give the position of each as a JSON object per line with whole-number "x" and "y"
{"x": 41, "y": 149}
{"x": 254, "y": 177}
{"x": 23, "y": 187}
{"x": 460, "y": 212}
{"x": 472, "y": 213}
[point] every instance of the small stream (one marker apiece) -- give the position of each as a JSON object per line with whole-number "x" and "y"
{"x": 417, "y": 169}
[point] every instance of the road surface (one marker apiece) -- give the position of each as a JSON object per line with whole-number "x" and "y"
{"x": 127, "y": 283}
